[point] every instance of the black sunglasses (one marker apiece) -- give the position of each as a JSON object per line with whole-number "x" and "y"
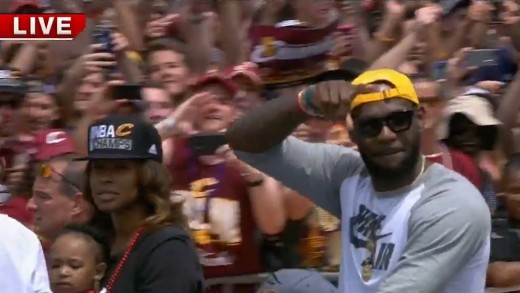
{"x": 396, "y": 121}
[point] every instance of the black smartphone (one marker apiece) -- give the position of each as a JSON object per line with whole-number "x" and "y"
{"x": 481, "y": 58}
{"x": 131, "y": 92}
{"x": 204, "y": 144}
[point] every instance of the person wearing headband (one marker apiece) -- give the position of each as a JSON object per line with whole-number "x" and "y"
{"x": 407, "y": 225}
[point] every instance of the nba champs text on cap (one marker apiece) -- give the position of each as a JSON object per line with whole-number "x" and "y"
{"x": 123, "y": 137}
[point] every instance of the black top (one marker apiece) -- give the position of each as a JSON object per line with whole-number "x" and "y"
{"x": 162, "y": 261}
{"x": 505, "y": 240}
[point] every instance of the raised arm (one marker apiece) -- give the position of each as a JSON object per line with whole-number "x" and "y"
{"x": 261, "y": 139}
{"x": 266, "y": 126}
{"x": 314, "y": 170}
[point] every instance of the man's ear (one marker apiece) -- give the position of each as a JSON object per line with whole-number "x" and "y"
{"x": 350, "y": 129}
{"x": 78, "y": 204}
{"x": 421, "y": 115}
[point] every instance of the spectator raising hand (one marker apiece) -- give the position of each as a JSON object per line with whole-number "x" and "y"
{"x": 120, "y": 42}
{"x": 342, "y": 45}
{"x": 455, "y": 71}
{"x": 395, "y": 8}
{"x": 98, "y": 60}
{"x": 181, "y": 120}
{"x": 159, "y": 27}
{"x": 427, "y": 15}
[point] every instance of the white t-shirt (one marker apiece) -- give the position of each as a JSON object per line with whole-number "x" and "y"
{"x": 22, "y": 263}
{"x": 432, "y": 236}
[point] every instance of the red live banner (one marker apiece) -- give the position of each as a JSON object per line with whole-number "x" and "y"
{"x": 41, "y": 27}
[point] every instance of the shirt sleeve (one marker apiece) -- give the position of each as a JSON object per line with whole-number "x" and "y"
{"x": 447, "y": 227}
{"x": 314, "y": 170}
{"x": 40, "y": 278}
{"x": 172, "y": 266}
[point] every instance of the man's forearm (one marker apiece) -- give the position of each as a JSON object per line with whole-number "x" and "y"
{"x": 384, "y": 37}
{"x": 198, "y": 42}
{"x": 503, "y": 274}
{"x": 266, "y": 126}
{"x": 458, "y": 39}
{"x": 129, "y": 25}
{"x": 26, "y": 58}
{"x": 397, "y": 55}
{"x": 230, "y": 13}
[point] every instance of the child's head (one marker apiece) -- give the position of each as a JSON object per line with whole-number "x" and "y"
{"x": 78, "y": 259}
{"x": 511, "y": 186}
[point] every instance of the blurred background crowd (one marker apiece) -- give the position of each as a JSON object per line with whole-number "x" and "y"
{"x": 193, "y": 66}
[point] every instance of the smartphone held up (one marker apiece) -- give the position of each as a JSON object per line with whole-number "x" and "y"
{"x": 102, "y": 35}
{"x": 128, "y": 97}
{"x": 206, "y": 144}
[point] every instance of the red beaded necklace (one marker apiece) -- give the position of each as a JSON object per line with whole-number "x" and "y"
{"x": 122, "y": 262}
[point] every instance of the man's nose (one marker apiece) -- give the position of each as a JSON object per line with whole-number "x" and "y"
{"x": 164, "y": 73}
{"x": 387, "y": 134}
{"x": 31, "y": 206}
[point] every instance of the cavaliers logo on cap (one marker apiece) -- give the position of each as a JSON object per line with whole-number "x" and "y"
{"x": 269, "y": 46}
{"x": 124, "y": 129}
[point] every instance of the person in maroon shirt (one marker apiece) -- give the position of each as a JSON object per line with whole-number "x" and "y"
{"x": 227, "y": 202}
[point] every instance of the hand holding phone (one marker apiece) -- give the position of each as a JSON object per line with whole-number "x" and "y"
{"x": 102, "y": 35}
{"x": 128, "y": 97}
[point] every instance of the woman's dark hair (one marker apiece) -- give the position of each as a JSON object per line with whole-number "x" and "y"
{"x": 91, "y": 233}
{"x": 154, "y": 183}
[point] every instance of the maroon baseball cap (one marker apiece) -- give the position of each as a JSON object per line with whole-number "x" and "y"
{"x": 215, "y": 77}
{"x": 248, "y": 70}
{"x": 51, "y": 143}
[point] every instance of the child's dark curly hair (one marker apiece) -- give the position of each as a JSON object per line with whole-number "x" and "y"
{"x": 91, "y": 233}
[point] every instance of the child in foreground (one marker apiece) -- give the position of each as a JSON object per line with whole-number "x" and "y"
{"x": 78, "y": 260}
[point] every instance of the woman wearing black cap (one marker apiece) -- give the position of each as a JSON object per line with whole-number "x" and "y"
{"x": 151, "y": 251}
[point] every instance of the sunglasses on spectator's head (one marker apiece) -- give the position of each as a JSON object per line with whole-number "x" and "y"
{"x": 46, "y": 171}
{"x": 396, "y": 121}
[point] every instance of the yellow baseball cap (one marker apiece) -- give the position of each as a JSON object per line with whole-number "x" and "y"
{"x": 402, "y": 87}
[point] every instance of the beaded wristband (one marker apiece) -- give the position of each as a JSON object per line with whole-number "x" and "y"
{"x": 305, "y": 102}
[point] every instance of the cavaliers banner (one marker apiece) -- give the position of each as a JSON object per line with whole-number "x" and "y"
{"x": 289, "y": 55}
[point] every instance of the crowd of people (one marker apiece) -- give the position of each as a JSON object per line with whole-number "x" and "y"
{"x": 263, "y": 146}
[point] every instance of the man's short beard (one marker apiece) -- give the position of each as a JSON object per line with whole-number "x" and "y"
{"x": 406, "y": 167}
